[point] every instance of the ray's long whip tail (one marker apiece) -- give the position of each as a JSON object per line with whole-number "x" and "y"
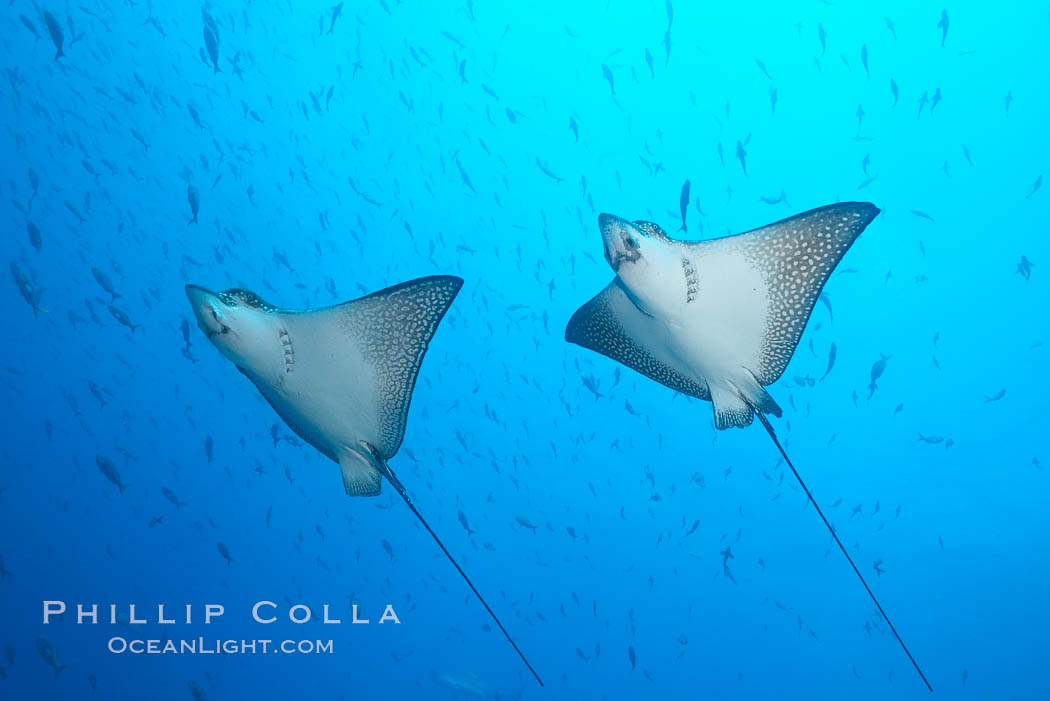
{"x": 392, "y": 478}
{"x": 776, "y": 441}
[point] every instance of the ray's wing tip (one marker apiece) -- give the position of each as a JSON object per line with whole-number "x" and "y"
{"x": 449, "y": 285}
{"x": 454, "y": 282}
{"x": 572, "y": 329}
{"x": 867, "y": 211}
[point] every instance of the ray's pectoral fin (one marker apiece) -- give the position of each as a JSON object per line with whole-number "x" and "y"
{"x": 793, "y": 259}
{"x": 611, "y": 324}
{"x": 396, "y": 326}
{"x": 361, "y": 473}
{"x": 795, "y": 256}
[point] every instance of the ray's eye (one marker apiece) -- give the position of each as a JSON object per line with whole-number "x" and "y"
{"x": 650, "y": 230}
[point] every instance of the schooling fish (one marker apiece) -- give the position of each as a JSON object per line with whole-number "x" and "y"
{"x": 194, "y": 198}
{"x": 109, "y": 470}
{"x": 831, "y": 360}
{"x": 104, "y": 282}
{"x": 46, "y": 648}
{"x": 526, "y": 523}
{"x": 211, "y": 43}
{"x": 29, "y": 25}
{"x": 170, "y": 496}
{"x": 607, "y": 73}
{"x": 466, "y": 524}
{"x": 337, "y": 12}
{"x": 683, "y": 204}
{"x": 35, "y": 239}
{"x": 27, "y": 289}
{"x": 1035, "y": 187}
{"x": 1024, "y": 268}
{"x": 943, "y": 26}
{"x": 122, "y": 317}
{"x": 719, "y": 320}
{"x": 547, "y": 171}
{"x": 55, "y": 30}
{"x": 826, "y": 301}
{"x": 876, "y": 372}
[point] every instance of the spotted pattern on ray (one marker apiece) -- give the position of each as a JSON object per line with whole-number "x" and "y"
{"x": 595, "y": 325}
{"x": 648, "y": 228}
{"x": 235, "y": 296}
{"x": 796, "y": 256}
{"x": 395, "y": 326}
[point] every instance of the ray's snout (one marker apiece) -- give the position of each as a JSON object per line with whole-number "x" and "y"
{"x": 207, "y": 309}
{"x": 620, "y": 238}
{"x": 198, "y": 295}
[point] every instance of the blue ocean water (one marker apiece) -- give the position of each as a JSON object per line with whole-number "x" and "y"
{"x": 337, "y": 151}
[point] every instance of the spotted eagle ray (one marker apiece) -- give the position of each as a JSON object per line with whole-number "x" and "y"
{"x": 720, "y": 319}
{"x": 341, "y": 377}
